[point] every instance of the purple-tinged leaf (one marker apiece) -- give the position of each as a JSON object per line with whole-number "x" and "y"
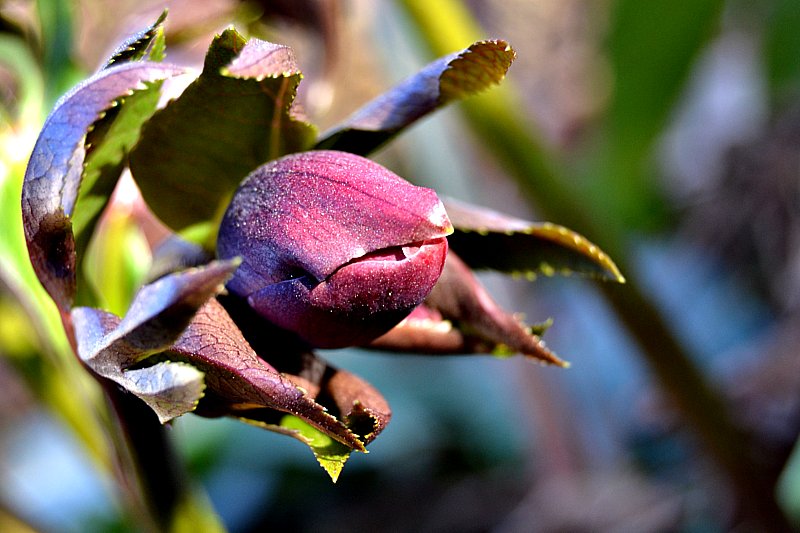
{"x": 174, "y": 254}
{"x": 170, "y": 389}
{"x": 53, "y": 175}
{"x": 261, "y": 59}
{"x": 108, "y": 143}
{"x": 235, "y": 116}
{"x": 334, "y": 247}
{"x": 355, "y": 402}
{"x": 358, "y": 404}
{"x": 157, "y": 317}
{"x": 424, "y": 331}
{"x": 449, "y": 78}
{"x": 487, "y": 239}
{"x": 459, "y": 316}
{"x": 161, "y": 310}
{"x": 242, "y": 384}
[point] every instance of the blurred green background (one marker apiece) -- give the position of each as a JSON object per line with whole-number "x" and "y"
{"x": 666, "y": 131}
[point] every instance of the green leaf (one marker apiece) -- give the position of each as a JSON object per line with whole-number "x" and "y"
{"x": 147, "y": 44}
{"x": 450, "y": 78}
{"x": 330, "y": 454}
{"x": 782, "y": 47}
{"x": 488, "y": 239}
{"x": 235, "y": 116}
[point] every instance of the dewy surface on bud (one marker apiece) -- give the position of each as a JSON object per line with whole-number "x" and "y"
{"x": 334, "y": 247}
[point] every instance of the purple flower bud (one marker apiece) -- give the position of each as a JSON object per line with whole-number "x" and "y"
{"x": 334, "y": 247}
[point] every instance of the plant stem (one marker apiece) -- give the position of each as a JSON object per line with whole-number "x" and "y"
{"x": 148, "y": 461}
{"x": 150, "y": 474}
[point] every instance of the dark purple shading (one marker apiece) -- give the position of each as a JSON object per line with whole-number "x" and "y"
{"x": 53, "y": 175}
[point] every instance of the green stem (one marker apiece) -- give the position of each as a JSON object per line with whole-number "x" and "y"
{"x": 495, "y": 119}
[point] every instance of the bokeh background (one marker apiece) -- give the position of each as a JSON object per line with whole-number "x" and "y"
{"x": 668, "y": 132}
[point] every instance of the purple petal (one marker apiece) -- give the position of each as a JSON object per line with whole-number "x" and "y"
{"x": 334, "y": 247}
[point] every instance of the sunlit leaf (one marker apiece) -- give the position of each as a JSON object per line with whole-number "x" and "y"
{"x": 484, "y": 325}
{"x": 449, "y": 78}
{"x": 357, "y": 403}
{"x": 148, "y": 43}
{"x": 487, "y": 239}
{"x": 241, "y": 384}
{"x": 331, "y": 455}
{"x": 170, "y": 389}
{"x": 108, "y": 143}
{"x": 237, "y": 115}
{"x": 53, "y": 176}
{"x": 157, "y": 317}
{"x": 242, "y": 381}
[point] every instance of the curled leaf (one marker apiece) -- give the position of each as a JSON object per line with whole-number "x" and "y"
{"x": 158, "y": 315}
{"x": 53, "y": 176}
{"x": 459, "y": 316}
{"x": 235, "y": 116}
{"x": 240, "y": 383}
{"x": 110, "y": 139}
{"x": 449, "y": 78}
{"x": 332, "y": 411}
{"x": 487, "y": 239}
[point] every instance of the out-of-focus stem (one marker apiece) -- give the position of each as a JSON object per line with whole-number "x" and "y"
{"x": 150, "y": 474}
{"x": 445, "y": 26}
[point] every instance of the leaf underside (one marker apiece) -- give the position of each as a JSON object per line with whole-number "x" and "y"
{"x": 460, "y": 317}
{"x": 115, "y": 349}
{"x": 447, "y": 79}
{"x": 53, "y": 176}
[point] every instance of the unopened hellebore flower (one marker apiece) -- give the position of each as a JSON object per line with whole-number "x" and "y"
{"x": 324, "y": 244}
{"x": 334, "y": 247}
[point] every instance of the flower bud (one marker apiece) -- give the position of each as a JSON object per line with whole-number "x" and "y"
{"x": 334, "y": 247}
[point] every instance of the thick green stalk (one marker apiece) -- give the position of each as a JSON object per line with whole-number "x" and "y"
{"x": 495, "y": 120}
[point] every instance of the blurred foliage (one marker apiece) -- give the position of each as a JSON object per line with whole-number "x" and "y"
{"x": 607, "y": 181}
